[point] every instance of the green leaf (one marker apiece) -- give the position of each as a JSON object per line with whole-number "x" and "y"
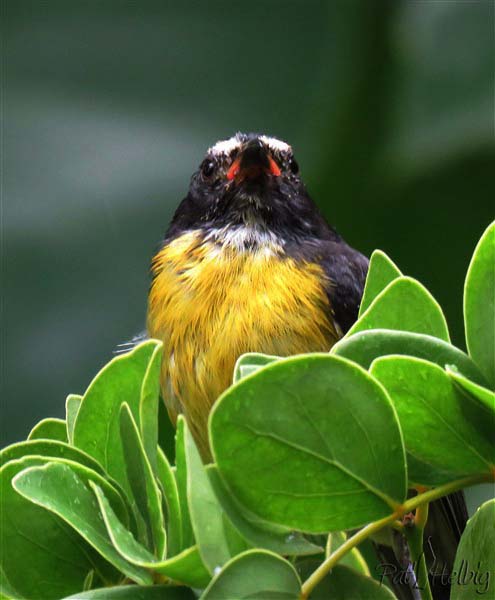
{"x": 484, "y": 395}
{"x": 281, "y": 440}
{"x": 58, "y": 558}
{"x": 85, "y": 474}
{"x": 72, "y": 404}
{"x": 49, "y": 429}
{"x": 186, "y": 567}
{"x": 475, "y": 558}
{"x": 447, "y": 434}
{"x": 49, "y": 448}
{"x": 170, "y": 493}
{"x": 53, "y": 450}
{"x": 7, "y": 591}
{"x": 382, "y": 271}
{"x": 343, "y": 583}
{"x": 89, "y": 580}
{"x": 137, "y": 592}
{"x": 291, "y": 543}
{"x": 479, "y": 305}
{"x": 353, "y": 559}
{"x": 144, "y": 487}
{"x": 181, "y": 478}
{"x": 208, "y": 521}
{"x": 255, "y": 574}
{"x": 148, "y": 405}
{"x": 57, "y": 488}
{"x": 365, "y": 346}
{"x": 97, "y": 426}
{"x": 407, "y": 306}
{"x": 250, "y": 362}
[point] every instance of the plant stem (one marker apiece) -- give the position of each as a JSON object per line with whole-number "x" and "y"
{"x": 408, "y": 506}
{"x": 414, "y": 536}
{"x": 334, "y": 558}
{"x": 444, "y": 490}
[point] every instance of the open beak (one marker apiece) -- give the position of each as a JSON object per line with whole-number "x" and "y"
{"x": 253, "y": 161}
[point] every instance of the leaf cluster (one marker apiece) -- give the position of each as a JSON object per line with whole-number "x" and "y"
{"x": 307, "y": 449}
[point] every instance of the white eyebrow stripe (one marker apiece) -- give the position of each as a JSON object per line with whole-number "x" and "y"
{"x": 275, "y": 144}
{"x": 233, "y": 143}
{"x": 226, "y": 146}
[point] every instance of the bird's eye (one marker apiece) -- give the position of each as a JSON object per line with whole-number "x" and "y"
{"x": 207, "y": 168}
{"x": 293, "y": 166}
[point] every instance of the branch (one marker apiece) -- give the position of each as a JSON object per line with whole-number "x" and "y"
{"x": 408, "y": 506}
{"x": 413, "y": 532}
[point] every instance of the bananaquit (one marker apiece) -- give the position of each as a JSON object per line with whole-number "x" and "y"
{"x": 248, "y": 264}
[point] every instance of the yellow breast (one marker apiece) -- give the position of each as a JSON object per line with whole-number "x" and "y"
{"x": 210, "y": 304}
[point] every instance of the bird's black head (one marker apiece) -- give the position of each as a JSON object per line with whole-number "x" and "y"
{"x": 252, "y": 181}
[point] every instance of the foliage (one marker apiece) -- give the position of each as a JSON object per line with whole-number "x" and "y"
{"x": 305, "y": 448}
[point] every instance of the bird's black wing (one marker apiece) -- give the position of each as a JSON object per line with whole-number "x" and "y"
{"x": 346, "y": 271}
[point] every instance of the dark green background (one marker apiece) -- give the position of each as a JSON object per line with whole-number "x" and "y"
{"x": 110, "y": 105}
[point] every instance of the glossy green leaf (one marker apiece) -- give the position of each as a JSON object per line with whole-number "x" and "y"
{"x": 407, "y": 306}
{"x": 186, "y": 567}
{"x": 181, "y": 478}
{"x": 97, "y": 426}
{"x": 72, "y": 404}
{"x": 353, "y": 559}
{"x": 148, "y": 405}
{"x": 250, "y": 362}
{"x": 343, "y": 583}
{"x": 475, "y": 557}
{"x": 365, "y": 346}
{"x": 255, "y": 574}
{"x": 59, "y": 559}
{"x": 7, "y": 591}
{"x": 286, "y": 543}
{"x": 382, "y": 271}
{"x": 53, "y": 450}
{"x": 49, "y": 429}
{"x": 208, "y": 521}
{"x": 144, "y": 487}
{"x": 447, "y": 434}
{"x": 281, "y": 441}
{"x": 479, "y": 305}
{"x": 86, "y": 474}
{"x": 483, "y": 394}
{"x": 137, "y": 592}
{"x": 89, "y": 581}
{"x": 57, "y": 488}
{"x": 48, "y": 448}
{"x": 170, "y": 494}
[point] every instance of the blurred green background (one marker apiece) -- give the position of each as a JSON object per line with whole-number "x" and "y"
{"x": 108, "y": 107}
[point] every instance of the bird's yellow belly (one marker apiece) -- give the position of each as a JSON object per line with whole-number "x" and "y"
{"x": 210, "y": 304}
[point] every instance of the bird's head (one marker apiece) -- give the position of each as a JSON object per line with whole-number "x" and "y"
{"x": 249, "y": 180}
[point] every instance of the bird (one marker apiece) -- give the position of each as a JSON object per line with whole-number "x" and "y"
{"x": 248, "y": 264}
